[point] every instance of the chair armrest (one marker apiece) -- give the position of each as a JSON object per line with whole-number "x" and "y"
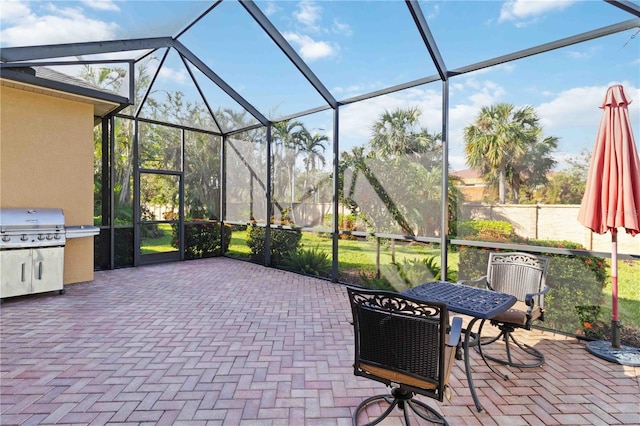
{"x": 456, "y": 331}
{"x": 528, "y": 298}
{"x": 479, "y": 282}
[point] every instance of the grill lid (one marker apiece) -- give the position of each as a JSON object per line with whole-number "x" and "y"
{"x": 29, "y": 228}
{"x": 12, "y": 219}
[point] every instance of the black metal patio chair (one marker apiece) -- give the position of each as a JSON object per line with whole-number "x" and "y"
{"x": 524, "y": 276}
{"x": 406, "y": 344}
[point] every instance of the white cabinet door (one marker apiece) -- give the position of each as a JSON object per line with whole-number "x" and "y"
{"x": 16, "y": 272}
{"x": 47, "y": 269}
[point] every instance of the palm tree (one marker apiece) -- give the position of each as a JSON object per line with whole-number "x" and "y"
{"x": 285, "y": 136}
{"x": 394, "y": 133}
{"x": 498, "y": 139}
{"x": 314, "y": 148}
{"x": 531, "y": 170}
{"x": 104, "y": 77}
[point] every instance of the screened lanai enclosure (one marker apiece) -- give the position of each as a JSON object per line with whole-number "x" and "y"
{"x": 381, "y": 143}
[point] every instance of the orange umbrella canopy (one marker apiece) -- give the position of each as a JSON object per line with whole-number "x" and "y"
{"x": 612, "y": 195}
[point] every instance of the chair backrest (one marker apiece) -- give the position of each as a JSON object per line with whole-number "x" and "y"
{"x": 400, "y": 341}
{"x": 518, "y": 274}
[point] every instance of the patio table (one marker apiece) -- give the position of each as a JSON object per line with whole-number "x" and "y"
{"x": 478, "y": 303}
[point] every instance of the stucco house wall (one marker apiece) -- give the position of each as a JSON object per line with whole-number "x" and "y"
{"x": 46, "y": 161}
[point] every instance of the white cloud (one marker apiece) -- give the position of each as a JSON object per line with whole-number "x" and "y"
{"x": 433, "y": 12}
{"x": 580, "y": 106}
{"x": 457, "y": 162}
{"x": 341, "y": 28}
{"x": 170, "y": 74}
{"x": 575, "y": 115}
{"x": 523, "y": 10}
{"x": 347, "y": 92}
{"x": 308, "y": 13}
{"x": 584, "y": 52}
{"x": 310, "y": 49}
{"x": 271, "y": 8}
{"x": 573, "y": 54}
{"x": 14, "y": 11}
{"x": 356, "y": 119}
{"x": 104, "y": 5}
{"x": 60, "y": 25}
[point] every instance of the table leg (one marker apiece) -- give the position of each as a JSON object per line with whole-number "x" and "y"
{"x": 467, "y": 367}
{"x": 504, "y": 376}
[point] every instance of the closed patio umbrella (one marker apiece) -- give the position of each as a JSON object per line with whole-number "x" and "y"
{"x": 612, "y": 195}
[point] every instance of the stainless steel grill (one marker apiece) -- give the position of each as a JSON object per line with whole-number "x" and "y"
{"x": 28, "y": 228}
{"x": 32, "y": 249}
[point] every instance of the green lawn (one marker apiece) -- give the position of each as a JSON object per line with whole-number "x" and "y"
{"x": 357, "y": 256}
{"x": 160, "y": 244}
{"x": 628, "y": 293}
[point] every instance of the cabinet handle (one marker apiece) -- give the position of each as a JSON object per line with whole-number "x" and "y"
{"x": 40, "y": 270}
{"x": 23, "y": 265}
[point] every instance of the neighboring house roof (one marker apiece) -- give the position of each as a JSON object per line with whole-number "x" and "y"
{"x": 64, "y": 86}
{"x": 468, "y": 175}
{"x": 470, "y": 183}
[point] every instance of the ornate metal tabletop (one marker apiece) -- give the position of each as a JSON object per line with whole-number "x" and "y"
{"x": 476, "y": 302}
{"x": 481, "y": 304}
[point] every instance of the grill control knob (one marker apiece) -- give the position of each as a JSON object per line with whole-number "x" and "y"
{"x": 57, "y": 236}
{"x": 24, "y": 237}
{"x": 49, "y": 237}
{"x": 41, "y": 237}
{"x": 6, "y": 238}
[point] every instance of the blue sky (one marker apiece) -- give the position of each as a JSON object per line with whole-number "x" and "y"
{"x": 356, "y": 47}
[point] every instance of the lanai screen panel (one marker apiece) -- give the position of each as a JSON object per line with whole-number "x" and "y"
{"x": 302, "y": 178}
{"x": 354, "y": 47}
{"x": 227, "y": 113}
{"x": 202, "y": 176}
{"x": 546, "y": 176}
{"x": 488, "y": 29}
{"x": 246, "y": 177}
{"x": 174, "y": 97}
{"x": 391, "y": 154}
{"x": 97, "y": 22}
{"x": 159, "y": 147}
{"x": 236, "y": 48}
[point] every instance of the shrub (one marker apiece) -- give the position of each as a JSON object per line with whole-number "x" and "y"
{"x": 590, "y": 320}
{"x": 418, "y": 271}
{"x": 310, "y": 262}
{"x": 376, "y": 283}
{"x": 347, "y": 222}
{"x": 493, "y": 229}
{"x": 149, "y": 230}
{"x": 123, "y": 241}
{"x": 282, "y": 242}
{"x": 202, "y": 239}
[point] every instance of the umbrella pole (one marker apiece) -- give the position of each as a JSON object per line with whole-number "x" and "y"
{"x": 615, "y": 329}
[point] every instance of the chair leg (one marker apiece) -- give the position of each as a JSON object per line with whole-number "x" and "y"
{"x": 430, "y": 415}
{"x": 530, "y": 350}
{"x": 404, "y": 401}
{"x": 506, "y": 335}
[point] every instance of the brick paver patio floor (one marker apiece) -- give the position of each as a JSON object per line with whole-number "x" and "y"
{"x": 221, "y": 341}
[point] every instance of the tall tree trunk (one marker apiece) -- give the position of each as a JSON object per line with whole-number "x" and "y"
{"x": 502, "y": 185}
{"x": 393, "y": 251}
